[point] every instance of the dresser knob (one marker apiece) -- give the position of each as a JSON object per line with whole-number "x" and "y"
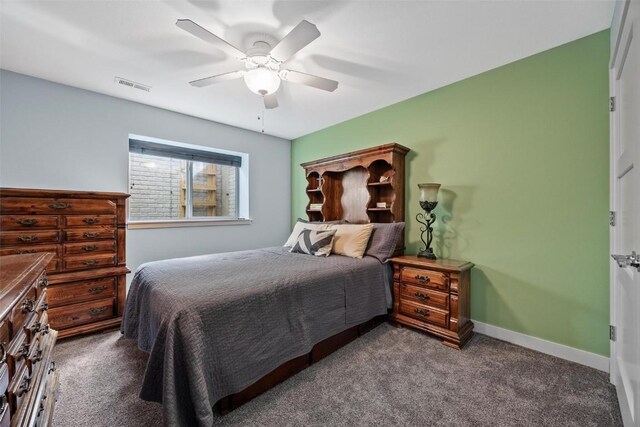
{"x": 97, "y": 289}
{"x": 27, "y": 305}
{"x": 94, "y": 310}
{"x": 27, "y": 221}
{"x": 90, "y": 235}
{"x": 90, "y": 262}
{"x": 44, "y": 306}
{"x": 422, "y": 296}
{"x": 44, "y": 282}
{"x": 27, "y": 238}
{"x": 25, "y": 386}
{"x": 90, "y": 248}
{"x": 59, "y": 206}
{"x": 422, "y": 313}
{"x": 91, "y": 221}
{"x": 423, "y": 279}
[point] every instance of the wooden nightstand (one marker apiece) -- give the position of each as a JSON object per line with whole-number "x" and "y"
{"x": 433, "y": 296}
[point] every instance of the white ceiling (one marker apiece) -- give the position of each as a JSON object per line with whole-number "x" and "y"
{"x": 381, "y": 52}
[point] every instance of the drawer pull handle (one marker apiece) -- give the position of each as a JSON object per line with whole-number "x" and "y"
{"x": 422, "y": 313}
{"x": 90, "y": 248}
{"x": 41, "y": 408}
{"x": 36, "y": 328}
{"x": 44, "y": 282}
{"x": 25, "y": 386}
{"x": 94, "y": 310}
{"x": 44, "y": 306}
{"x": 28, "y": 251}
{"x": 23, "y": 352}
{"x": 59, "y": 206}
{"x": 37, "y": 357}
{"x": 27, "y": 306}
{"x": 423, "y": 279}
{"x": 97, "y": 289}
{"x": 91, "y": 220}
{"x": 3, "y": 352}
{"x": 27, "y": 238}
{"x": 27, "y": 222}
{"x": 52, "y": 367}
{"x": 422, "y": 296}
{"x": 91, "y": 235}
{"x": 90, "y": 262}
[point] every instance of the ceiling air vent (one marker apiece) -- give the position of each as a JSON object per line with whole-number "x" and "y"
{"x": 134, "y": 85}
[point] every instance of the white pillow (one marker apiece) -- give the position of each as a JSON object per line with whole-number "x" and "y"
{"x": 297, "y": 229}
{"x": 351, "y": 239}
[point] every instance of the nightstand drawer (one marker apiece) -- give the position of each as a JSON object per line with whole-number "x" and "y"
{"x": 423, "y": 296}
{"x": 421, "y": 277}
{"x": 424, "y": 313}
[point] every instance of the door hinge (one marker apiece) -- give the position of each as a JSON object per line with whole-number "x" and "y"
{"x": 612, "y": 333}
{"x": 612, "y": 103}
{"x": 612, "y": 218}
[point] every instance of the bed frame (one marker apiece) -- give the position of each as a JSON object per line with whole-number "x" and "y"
{"x": 347, "y": 187}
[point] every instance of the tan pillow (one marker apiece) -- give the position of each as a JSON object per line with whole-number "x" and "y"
{"x": 297, "y": 229}
{"x": 351, "y": 239}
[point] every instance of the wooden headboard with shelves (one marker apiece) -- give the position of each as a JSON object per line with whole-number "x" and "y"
{"x": 349, "y": 186}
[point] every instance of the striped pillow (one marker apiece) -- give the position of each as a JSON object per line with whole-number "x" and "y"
{"x": 314, "y": 242}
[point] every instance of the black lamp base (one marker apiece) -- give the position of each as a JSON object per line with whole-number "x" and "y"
{"x": 427, "y": 254}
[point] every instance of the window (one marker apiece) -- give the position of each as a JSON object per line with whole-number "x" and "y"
{"x": 179, "y": 182}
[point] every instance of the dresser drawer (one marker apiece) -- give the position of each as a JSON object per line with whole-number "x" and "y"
{"x": 33, "y": 249}
{"x": 91, "y": 261}
{"x": 78, "y": 314}
{"x": 45, "y": 205}
{"x": 28, "y": 237}
{"x": 19, "y": 389}
{"x": 87, "y": 234}
{"x": 81, "y": 291}
{"x": 89, "y": 220}
{"x": 39, "y": 325}
{"x": 424, "y": 296}
{"x": 21, "y": 222}
{"x": 5, "y": 336}
{"x": 431, "y": 279}
{"x": 424, "y": 313}
{"x": 17, "y": 353}
{"x": 85, "y": 248}
{"x": 23, "y": 309}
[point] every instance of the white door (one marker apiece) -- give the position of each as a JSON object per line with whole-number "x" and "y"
{"x": 625, "y": 182}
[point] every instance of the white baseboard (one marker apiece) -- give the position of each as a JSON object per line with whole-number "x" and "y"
{"x": 554, "y": 349}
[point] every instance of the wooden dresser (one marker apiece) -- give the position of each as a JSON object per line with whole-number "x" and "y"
{"x": 85, "y": 232}
{"x": 433, "y": 296}
{"x": 28, "y": 377}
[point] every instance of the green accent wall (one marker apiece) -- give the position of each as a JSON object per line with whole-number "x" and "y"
{"x": 522, "y": 153}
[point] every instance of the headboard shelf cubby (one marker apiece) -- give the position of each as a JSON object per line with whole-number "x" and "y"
{"x": 352, "y": 186}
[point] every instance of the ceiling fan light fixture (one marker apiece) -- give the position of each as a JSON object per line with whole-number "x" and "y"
{"x": 262, "y": 81}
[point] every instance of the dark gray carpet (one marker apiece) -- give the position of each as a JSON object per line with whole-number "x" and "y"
{"x": 387, "y": 377}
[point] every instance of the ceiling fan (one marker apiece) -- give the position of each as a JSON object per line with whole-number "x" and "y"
{"x": 262, "y": 72}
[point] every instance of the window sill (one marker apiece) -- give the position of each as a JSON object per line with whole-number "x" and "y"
{"x": 177, "y": 223}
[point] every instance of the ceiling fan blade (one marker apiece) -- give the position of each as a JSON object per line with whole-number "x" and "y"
{"x": 207, "y": 81}
{"x": 303, "y": 34}
{"x": 309, "y": 80}
{"x": 191, "y": 27}
{"x": 270, "y": 101}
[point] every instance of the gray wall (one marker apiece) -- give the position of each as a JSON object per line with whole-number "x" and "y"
{"x": 58, "y": 137}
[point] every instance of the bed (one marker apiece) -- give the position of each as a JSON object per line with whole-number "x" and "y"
{"x": 237, "y": 316}
{"x": 222, "y": 328}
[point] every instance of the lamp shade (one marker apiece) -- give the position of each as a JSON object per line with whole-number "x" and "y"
{"x": 262, "y": 81}
{"x": 429, "y": 192}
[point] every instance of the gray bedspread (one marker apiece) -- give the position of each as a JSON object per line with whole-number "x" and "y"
{"x": 215, "y": 324}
